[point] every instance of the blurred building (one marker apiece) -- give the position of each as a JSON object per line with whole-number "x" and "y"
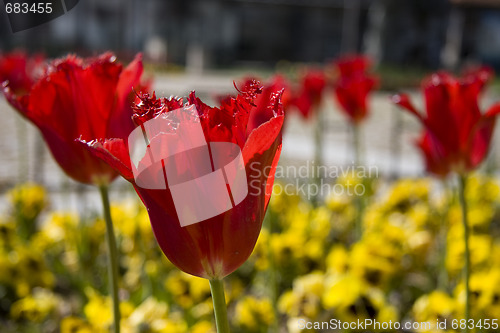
{"x": 221, "y": 33}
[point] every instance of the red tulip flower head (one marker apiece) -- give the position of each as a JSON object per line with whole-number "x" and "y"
{"x": 353, "y": 86}
{"x": 309, "y": 95}
{"x": 216, "y": 245}
{"x": 457, "y": 135}
{"x": 19, "y": 70}
{"x": 87, "y": 99}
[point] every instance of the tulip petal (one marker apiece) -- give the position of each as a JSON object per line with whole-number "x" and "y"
{"x": 112, "y": 151}
{"x": 403, "y": 100}
{"x": 435, "y": 161}
{"x": 120, "y": 122}
{"x": 20, "y": 103}
{"x": 129, "y": 77}
{"x": 350, "y": 64}
{"x": 443, "y": 106}
{"x": 263, "y": 138}
{"x": 308, "y": 98}
{"x": 19, "y": 70}
{"x": 482, "y": 135}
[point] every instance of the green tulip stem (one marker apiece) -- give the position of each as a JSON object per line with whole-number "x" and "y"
{"x": 442, "y": 281}
{"x": 463, "y": 204}
{"x": 318, "y": 154}
{"x": 273, "y": 272}
{"x": 220, "y": 310}
{"x": 356, "y": 141}
{"x": 112, "y": 255}
{"x": 358, "y": 200}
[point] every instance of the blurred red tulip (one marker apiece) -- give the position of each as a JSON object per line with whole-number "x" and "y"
{"x": 456, "y": 136}
{"x": 352, "y": 64}
{"x": 85, "y": 99}
{"x": 308, "y": 98}
{"x": 214, "y": 247}
{"x": 353, "y": 86}
{"x": 20, "y": 71}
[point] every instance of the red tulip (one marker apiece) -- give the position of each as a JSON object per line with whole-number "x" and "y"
{"x": 456, "y": 136}
{"x": 351, "y": 65}
{"x": 308, "y": 98}
{"x": 87, "y": 99}
{"x": 214, "y": 247}
{"x": 20, "y": 70}
{"x": 353, "y": 86}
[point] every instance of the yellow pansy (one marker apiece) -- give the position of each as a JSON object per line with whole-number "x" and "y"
{"x": 35, "y": 307}
{"x": 252, "y": 313}
{"x": 431, "y": 307}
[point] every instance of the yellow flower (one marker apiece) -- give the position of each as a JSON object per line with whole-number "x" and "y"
{"x": 343, "y": 210}
{"x": 134, "y": 263}
{"x": 98, "y": 310}
{"x": 77, "y": 325}
{"x": 234, "y": 289}
{"x": 281, "y": 201}
{"x": 155, "y": 321}
{"x": 350, "y": 179}
{"x": 406, "y": 192}
{"x": 294, "y": 253}
{"x": 350, "y": 298}
{"x": 260, "y": 254}
{"x": 482, "y": 188}
{"x": 26, "y": 269}
{"x": 203, "y": 327}
{"x": 174, "y": 324}
{"x": 480, "y": 250}
{"x": 434, "y": 306}
{"x": 132, "y": 224}
{"x": 151, "y": 314}
{"x": 59, "y": 233}
{"x": 28, "y": 200}
{"x": 320, "y": 225}
{"x": 479, "y": 214}
{"x": 405, "y": 216}
{"x": 419, "y": 242}
{"x": 376, "y": 259}
{"x": 337, "y": 260}
{"x": 341, "y": 291}
{"x": 305, "y": 297}
{"x": 485, "y": 294}
{"x": 287, "y": 247}
{"x": 296, "y": 218}
{"x": 187, "y": 290}
{"x": 6, "y": 270}
{"x": 35, "y": 307}
{"x": 374, "y": 217}
{"x": 8, "y": 235}
{"x": 252, "y": 313}
{"x": 420, "y": 215}
{"x": 123, "y": 219}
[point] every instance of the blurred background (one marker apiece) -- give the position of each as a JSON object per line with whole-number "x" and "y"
{"x": 262, "y": 33}
{"x": 206, "y": 45}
